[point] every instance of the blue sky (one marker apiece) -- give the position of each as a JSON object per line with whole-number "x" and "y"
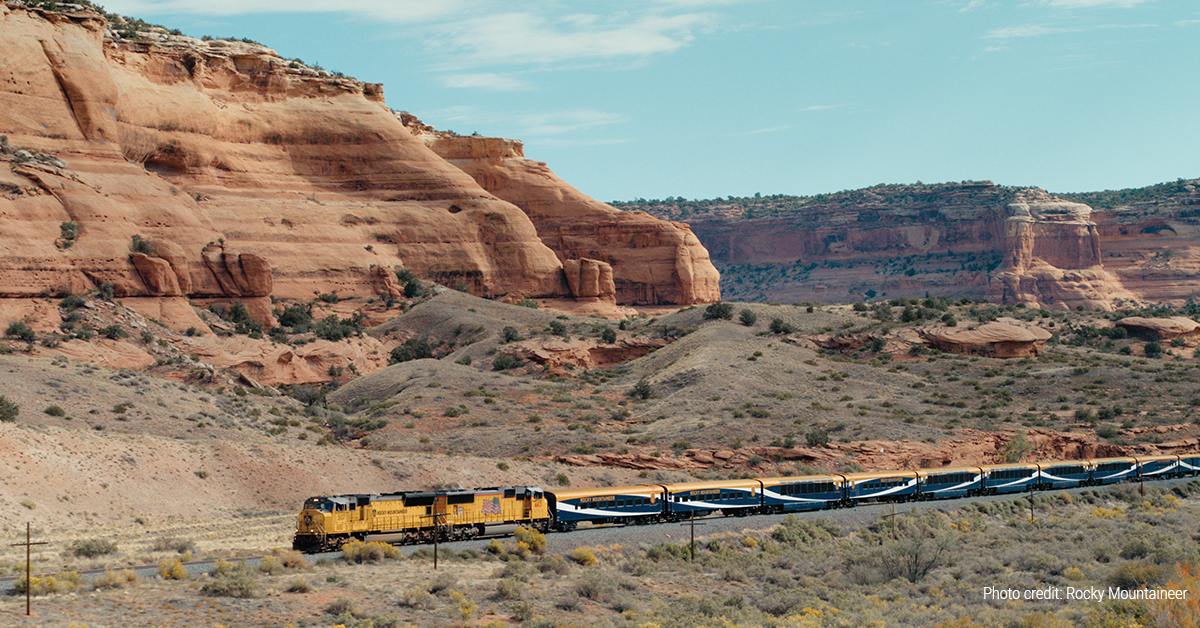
{"x": 708, "y": 98}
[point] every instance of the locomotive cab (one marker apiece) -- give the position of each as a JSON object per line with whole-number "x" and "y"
{"x": 312, "y": 524}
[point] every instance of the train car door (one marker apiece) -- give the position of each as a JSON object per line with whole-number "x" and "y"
{"x": 527, "y": 504}
{"x": 439, "y": 510}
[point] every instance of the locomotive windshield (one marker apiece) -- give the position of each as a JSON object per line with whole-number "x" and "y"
{"x": 323, "y": 504}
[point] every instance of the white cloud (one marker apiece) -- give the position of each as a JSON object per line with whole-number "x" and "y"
{"x": 536, "y": 38}
{"x": 1028, "y": 30}
{"x": 560, "y": 122}
{"x": 488, "y": 81}
{"x": 972, "y": 5}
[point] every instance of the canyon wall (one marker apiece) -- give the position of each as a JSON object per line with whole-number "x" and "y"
{"x": 169, "y": 166}
{"x": 973, "y": 239}
{"x": 653, "y": 261}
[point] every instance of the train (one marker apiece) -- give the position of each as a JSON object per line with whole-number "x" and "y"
{"x": 419, "y": 517}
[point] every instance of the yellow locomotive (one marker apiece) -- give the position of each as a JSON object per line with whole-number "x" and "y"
{"x": 326, "y": 523}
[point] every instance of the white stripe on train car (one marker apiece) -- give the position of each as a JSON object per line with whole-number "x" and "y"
{"x": 889, "y": 491}
{"x": 1174, "y": 465}
{"x": 1024, "y": 480}
{"x": 957, "y": 486}
{"x": 603, "y": 513}
{"x": 789, "y": 498}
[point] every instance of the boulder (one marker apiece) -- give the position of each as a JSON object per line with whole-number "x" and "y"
{"x": 1161, "y": 328}
{"x": 997, "y": 340}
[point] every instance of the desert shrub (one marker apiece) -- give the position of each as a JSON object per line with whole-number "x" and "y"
{"x": 291, "y": 559}
{"x": 71, "y": 302}
{"x": 333, "y": 329}
{"x": 1016, "y": 448}
{"x": 114, "y": 332}
{"x": 91, "y": 548}
{"x": 442, "y": 584}
{"x": 141, "y": 245}
{"x": 416, "y": 598}
{"x": 69, "y": 232}
{"x": 719, "y": 310}
{"x": 584, "y": 556}
{"x": 172, "y": 569}
{"x": 164, "y": 544}
{"x": 373, "y": 552}
{"x": 413, "y": 349}
{"x": 504, "y": 362}
{"x": 534, "y": 540}
{"x": 47, "y": 585}
{"x": 116, "y": 579}
{"x": 341, "y": 606}
{"x": 106, "y": 292}
{"x": 299, "y": 585}
{"x": 8, "y": 410}
{"x": 608, "y": 335}
{"x": 54, "y": 411}
{"x": 495, "y": 547}
{"x": 297, "y": 317}
{"x": 778, "y": 326}
{"x": 642, "y": 390}
{"x": 21, "y": 331}
{"x": 817, "y": 438}
{"x": 509, "y": 334}
{"x": 553, "y": 564}
{"x": 270, "y": 565}
{"x": 240, "y": 585}
{"x": 509, "y": 589}
{"x": 748, "y": 318}
{"x": 668, "y": 551}
{"x": 793, "y": 531}
{"x": 413, "y": 289}
{"x": 596, "y": 586}
{"x": 921, "y": 546}
{"x": 1136, "y": 575}
{"x": 1153, "y": 349}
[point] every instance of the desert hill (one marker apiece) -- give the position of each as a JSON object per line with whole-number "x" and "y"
{"x": 975, "y": 239}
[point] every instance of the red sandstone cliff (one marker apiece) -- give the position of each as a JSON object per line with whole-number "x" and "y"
{"x": 249, "y": 176}
{"x": 977, "y": 239}
{"x": 653, "y": 261}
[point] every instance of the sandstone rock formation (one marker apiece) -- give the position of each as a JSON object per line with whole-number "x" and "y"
{"x": 995, "y": 340}
{"x": 585, "y": 352}
{"x": 653, "y": 261}
{"x": 1161, "y": 328}
{"x": 975, "y": 239}
{"x": 243, "y": 176}
{"x": 1052, "y": 255}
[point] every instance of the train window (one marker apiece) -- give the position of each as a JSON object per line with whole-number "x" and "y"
{"x": 620, "y": 503}
{"x": 510, "y": 493}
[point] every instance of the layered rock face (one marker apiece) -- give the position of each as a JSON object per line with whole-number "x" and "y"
{"x": 1052, "y": 256}
{"x": 976, "y": 239}
{"x": 243, "y": 175}
{"x": 653, "y": 261}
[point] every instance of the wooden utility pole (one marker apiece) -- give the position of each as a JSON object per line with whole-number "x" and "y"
{"x": 692, "y": 522}
{"x": 438, "y": 519}
{"x": 28, "y": 569}
{"x": 893, "y": 518}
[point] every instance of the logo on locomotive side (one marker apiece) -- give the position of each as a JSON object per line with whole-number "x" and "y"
{"x": 491, "y": 506}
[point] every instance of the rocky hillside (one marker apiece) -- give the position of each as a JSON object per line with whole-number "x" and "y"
{"x": 977, "y": 239}
{"x": 172, "y": 167}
